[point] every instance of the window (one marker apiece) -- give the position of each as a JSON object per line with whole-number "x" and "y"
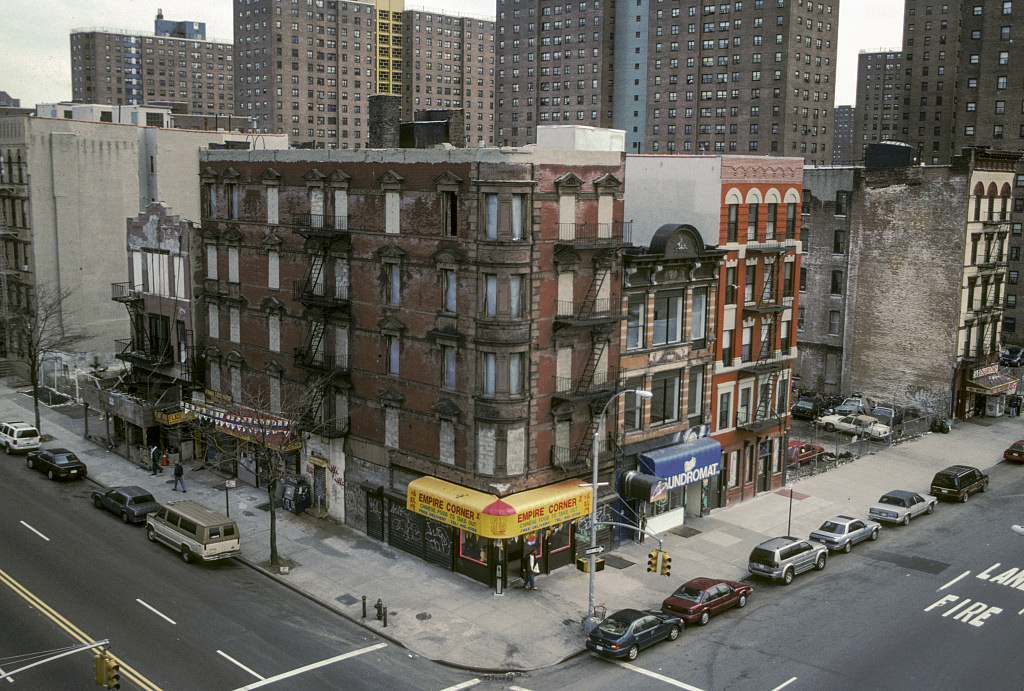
{"x": 391, "y": 343}
{"x": 842, "y": 203}
{"x": 727, "y": 354}
{"x": 665, "y": 399}
{"x": 730, "y": 285}
{"x": 668, "y": 318}
{"x": 833, "y": 322}
{"x": 839, "y": 241}
{"x": 489, "y": 378}
{"x": 492, "y": 216}
{"x": 633, "y": 405}
{"x": 517, "y": 287}
{"x": 635, "y": 322}
{"x": 752, "y": 221}
{"x": 800, "y": 318}
{"x": 837, "y": 283}
{"x": 746, "y": 348}
{"x": 449, "y": 289}
{"x": 490, "y": 295}
{"x": 695, "y": 394}
{"x": 448, "y": 367}
{"x": 515, "y": 374}
{"x": 392, "y": 284}
{"x": 724, "y": 409}
{"x": 743, "y": 406}
{"x": 1012, "y": 278}
{"x": 803, "y": 279}
{"x": 698, "y": 315}
{"x": 731, "y": 232}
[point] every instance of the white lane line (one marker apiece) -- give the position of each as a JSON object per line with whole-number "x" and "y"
{"x": 310, "y": 667}
{"x": 965, "y": 573}
{"x": 10, "y": 680}
{"x": 517, "y": 688}
{"x": 155, "y": 611}
{"x": 784, "y": 685}
{"x": 35, "y": 531}
{"x": 463, "y": 685}
{"x": 659, "y": 677}
{"x": 231, "y": 659}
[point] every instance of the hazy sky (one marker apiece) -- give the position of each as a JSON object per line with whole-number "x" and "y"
{"x": 35, "y": 63}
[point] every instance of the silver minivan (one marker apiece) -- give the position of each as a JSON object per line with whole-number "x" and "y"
{"x": 194, "y": 530}
{"x": 781, "y": 558}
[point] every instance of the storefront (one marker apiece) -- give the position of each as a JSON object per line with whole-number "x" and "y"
{"x": 987, "y": 392}
{"x": 690, "y": 471}
{"x": 492, "y": 536}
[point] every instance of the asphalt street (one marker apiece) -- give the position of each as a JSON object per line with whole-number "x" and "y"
{"x": 173, "y": 625}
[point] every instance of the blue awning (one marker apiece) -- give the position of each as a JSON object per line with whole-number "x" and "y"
{"x": 683, "y": 464}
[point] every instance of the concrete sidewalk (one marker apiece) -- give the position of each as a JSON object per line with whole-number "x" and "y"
{"x": 446, "y": 617}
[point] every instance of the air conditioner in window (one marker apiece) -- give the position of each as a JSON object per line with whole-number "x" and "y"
{"x": 24, "y": 267}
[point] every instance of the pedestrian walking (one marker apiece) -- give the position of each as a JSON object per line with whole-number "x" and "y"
{"x": 154, "y": 460}
{"x": 532, "y": 569}
{"x": 179, "y": 476}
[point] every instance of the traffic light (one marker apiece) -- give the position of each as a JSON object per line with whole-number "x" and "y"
{"x": 652, "y": 561}
{"x": 113, "y": 672}
{"x": 99, "y": 664}
{"x": 666, "y": 564}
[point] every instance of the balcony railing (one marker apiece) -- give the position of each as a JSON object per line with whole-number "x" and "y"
{"x": 148, "y": 354}
{"x": 324, "y": 362}
{"x": 309, "y": 291}
{"x": 575, "y": 387}
{"x": 320, "y": 223}
{"x": 124, "y": 292}
{"x": 616, "y": 231}
{"x": 569, "y": 310}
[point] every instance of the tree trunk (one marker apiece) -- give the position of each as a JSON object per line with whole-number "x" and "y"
{"x": 35, "y": 401}
{"x": 271, "y": 492}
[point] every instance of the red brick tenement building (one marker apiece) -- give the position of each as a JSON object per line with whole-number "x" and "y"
{"x": 452, "y": 318}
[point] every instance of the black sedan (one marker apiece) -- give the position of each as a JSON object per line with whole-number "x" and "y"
{"x": 58, "y": 464}
{"x": 628, "y": 631}
{"x": 132, "y": 503}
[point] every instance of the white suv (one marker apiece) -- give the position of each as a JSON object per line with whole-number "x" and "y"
{"x": 18, "y": 436}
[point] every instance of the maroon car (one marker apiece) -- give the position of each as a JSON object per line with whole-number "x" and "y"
{"x": 1015, "y": 452}
{"x": 697, "y": 600}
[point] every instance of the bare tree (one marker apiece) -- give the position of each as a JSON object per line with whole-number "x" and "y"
{"x": 42, "y": 328}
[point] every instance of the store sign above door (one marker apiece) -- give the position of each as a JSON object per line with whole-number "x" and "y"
{"x": 683, "y": 464}
{"x": 488, "y": 516}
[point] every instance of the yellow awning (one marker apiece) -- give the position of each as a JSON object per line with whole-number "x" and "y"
{"x": 488, "y": 516}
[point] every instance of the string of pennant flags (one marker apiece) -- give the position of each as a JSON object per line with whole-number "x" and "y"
{"x": 247, "y": 425}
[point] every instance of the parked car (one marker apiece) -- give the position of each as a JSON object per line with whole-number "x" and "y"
{"x": 807, "y": 408}
{"x": 697, "y": 599}
{"x": 1012, "y": 356}
{"x": 131, "y": 503}
{"x": 781, "y": 558}
{"x": 858, "y": 425}
{"x": 899, "y": 506}
{"x": 958, "y": 482}
{"x": 628, "y": 631}
{"x": 800, "y": 452}
{"x": 889, "y": 414}
{"x": 855, "y": 405}
{"x": 843, "y": 532}
{"x": 18, "y": 436}
{"x": 1015, "y": 452}
{"x": 195, "y": 531}
{"x": 58, "y": 464}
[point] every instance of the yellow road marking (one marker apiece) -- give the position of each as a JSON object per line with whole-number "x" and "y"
{"x": 75, "y": 632}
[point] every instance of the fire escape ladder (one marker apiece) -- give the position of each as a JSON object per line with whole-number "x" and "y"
{"x": 587, "y": 378}
{"x": 585, "y": 449}
{"x": 314, "y": 282}
{"x": 314, "y": 345}
{"x": 768, "y": 294}
{"x": 589, "y": 306}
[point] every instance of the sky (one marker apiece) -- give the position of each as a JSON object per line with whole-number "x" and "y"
{"x": 35, "y": 62}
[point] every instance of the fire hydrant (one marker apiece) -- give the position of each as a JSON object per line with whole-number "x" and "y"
{"x": 380, "y": 609}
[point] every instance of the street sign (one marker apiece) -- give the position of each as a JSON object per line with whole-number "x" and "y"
{"x": 594, "y": 550}
{"x": 229, "y": 483}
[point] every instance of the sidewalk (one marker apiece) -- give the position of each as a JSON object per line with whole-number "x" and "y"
{"x": 446, "y": 617}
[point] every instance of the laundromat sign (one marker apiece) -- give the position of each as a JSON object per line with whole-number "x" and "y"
{"x": 488, "y": 516}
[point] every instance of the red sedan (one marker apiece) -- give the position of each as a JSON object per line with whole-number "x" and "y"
{"x": 1015, "y": 452}
{"x": 696, "y": 600}
{"x": 800, "y": 452}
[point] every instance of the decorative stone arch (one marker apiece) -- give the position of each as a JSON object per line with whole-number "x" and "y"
{"x": 772, "y": 196}
{"x": 733, "y": 196}
{"x": 446, "y": 409}
{"x": 792, "y": 196}
{"x": 567, "y": 259}
{"x": 448, "y": 258}
{"x": 992, "y": 191}
{"x": 979, "y": 189}
{"x": 753, "y": 196}
{"x": 1005, "y": 190}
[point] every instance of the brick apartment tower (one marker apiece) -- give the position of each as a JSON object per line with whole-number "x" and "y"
{"x": 880, "y": 84}
{"x": 176, "y": 66}
{"x": 752, "y": 78}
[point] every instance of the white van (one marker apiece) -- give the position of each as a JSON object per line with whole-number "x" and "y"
{"x": 18, "y": 436}
{"x": 194, "y": 530}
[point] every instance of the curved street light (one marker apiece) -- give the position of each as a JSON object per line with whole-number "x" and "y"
{"x": 590, "y": 623}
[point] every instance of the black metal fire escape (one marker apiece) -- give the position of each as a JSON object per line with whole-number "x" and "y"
{"x": 767, "y": 307}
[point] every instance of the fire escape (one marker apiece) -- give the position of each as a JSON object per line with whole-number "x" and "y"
{"x": 12, "y": 191}
{"x": 143, "y": 349}
{"x": 767, "y": 308}
{"x": 327, "y": 304}
{"x": 597, "y": 314}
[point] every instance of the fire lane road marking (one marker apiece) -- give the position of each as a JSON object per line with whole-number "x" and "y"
{"x": 464, "y": 685}
{"x": 784, "y": 684}
{"x": 659, "y": 677}
{"x": 157, "y": 612}
{"x": 316, "y": 665}
{"x": 964, "y": 574}
{"x": 231, "y": 659}
{"x": 35, "y": 531}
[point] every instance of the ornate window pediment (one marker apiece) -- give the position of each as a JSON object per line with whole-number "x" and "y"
{"x": 448, "y": 256}
{"x": 391, "y": 181}
{"x": 568, "y": 184}
{"x": 448, "y": 182}
{"x": 339, "y": 178}
{"x": 231, "y": 175}
{"x": 391, "y": 325}
{"x": 270, "y": 177}
{"x": 607, "y": 184}
{"x": 445, "y": 409}
{"x": 390, "y": 252}
{"x": 314, "y": 177}
{"x": 391, "y": 398}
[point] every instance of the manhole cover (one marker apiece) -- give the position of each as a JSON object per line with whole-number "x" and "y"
{"x": 347, "y": 599}
{"x": 617, "y": 562}
{"x": 423, "y": 616}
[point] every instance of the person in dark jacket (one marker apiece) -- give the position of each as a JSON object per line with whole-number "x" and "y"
{"x": 179, "y": 476}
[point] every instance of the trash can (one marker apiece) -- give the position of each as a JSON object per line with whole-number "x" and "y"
{"x": 297, "y": 495}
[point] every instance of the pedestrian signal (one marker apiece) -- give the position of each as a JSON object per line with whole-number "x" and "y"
{"x": 652, "y": 561}
{"x": 666, "y": 564}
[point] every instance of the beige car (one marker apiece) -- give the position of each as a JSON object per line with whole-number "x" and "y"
{"x": 194, "y": 530}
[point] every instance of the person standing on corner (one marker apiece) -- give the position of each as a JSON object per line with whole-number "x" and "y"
{"x": 179, "y": 476}
{"x": 154, "y": 460}
{"x": 532, "y": 569}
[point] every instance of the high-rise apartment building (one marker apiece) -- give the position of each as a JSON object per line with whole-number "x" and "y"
{"x": 308, "y": 72}
{"x": 879, "y": 99}
{"x": 842, "y": 136}
{"x": 175, "y": 66}
{"x": 449, "y": 63}
{"x": 754, "y": 77}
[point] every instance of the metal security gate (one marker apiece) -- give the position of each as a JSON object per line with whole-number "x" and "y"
{"x": 405, "y": 529}
{"x": 320, "y": 487}
{"x": 374, "y": 512}
{"x": 437, "y": 544}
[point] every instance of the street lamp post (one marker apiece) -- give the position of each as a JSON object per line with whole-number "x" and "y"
{"x": 593, "y": 500}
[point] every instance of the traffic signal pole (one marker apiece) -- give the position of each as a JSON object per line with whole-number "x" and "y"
{"x": 80, "y": 649}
